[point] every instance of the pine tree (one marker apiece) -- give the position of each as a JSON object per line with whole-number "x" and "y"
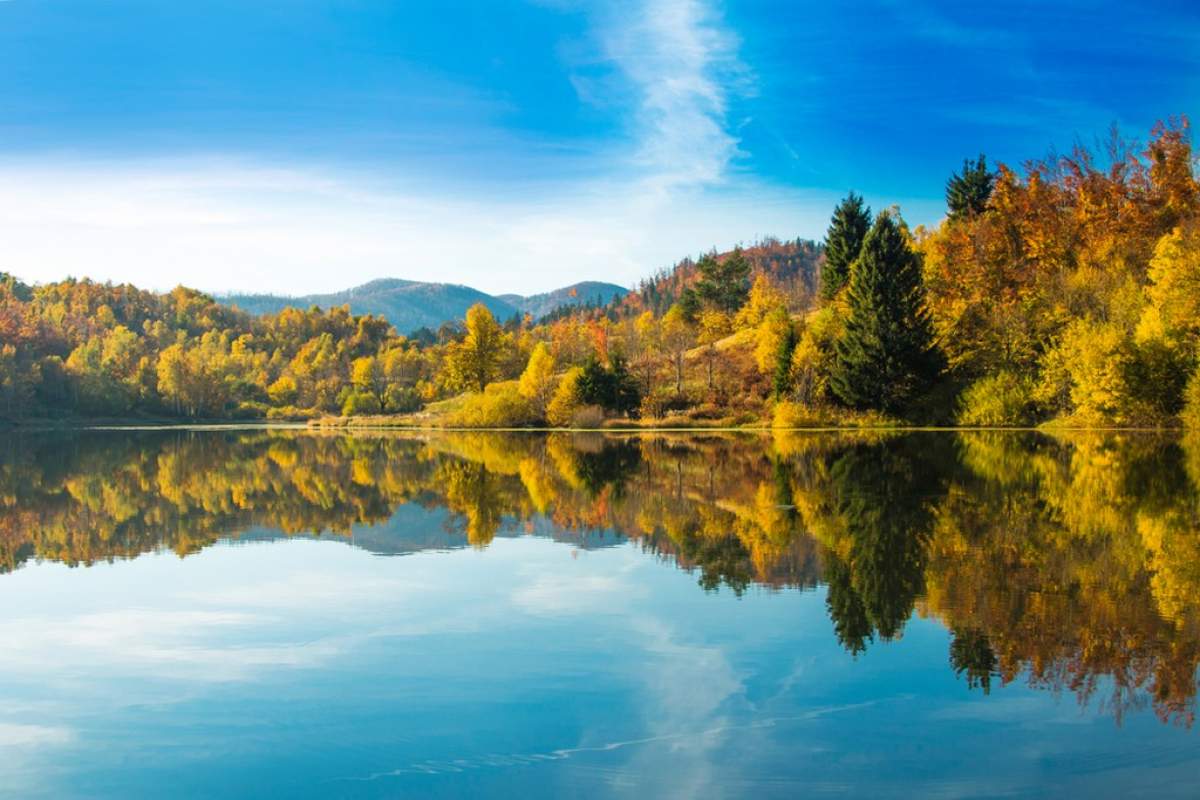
{"x": 886, "y": 357}
{"x": 967, "y": 194}
{"x": 782, "y": 380}
{"x": 850, "y": 223}
{"x": 724, "y": 284}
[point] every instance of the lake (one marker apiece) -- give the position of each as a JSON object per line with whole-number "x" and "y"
{"x": 269, "y": 613}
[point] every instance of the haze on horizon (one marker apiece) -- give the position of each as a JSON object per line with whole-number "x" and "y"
{"x": 522, "y": 146}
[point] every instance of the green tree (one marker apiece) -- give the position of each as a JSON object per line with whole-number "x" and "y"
{"x": 370, "y": 387}
{"x": 850, "y": 223}
{"x": 781, "y": 381}
{"x": 724, "y": 283}
{"x": 610, "y": 387}
{"x": 967, "y": 193}
{"x": 16, "y": 383}
{"x": 886, "y": 357}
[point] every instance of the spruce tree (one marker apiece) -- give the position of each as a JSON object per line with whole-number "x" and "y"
{"x": 782, "y": 382}
{"x": 886, "y": 357}
{"x": 724, "y": 284}
{"x": 967, "y": 194}
{"x": 850, "y": 223}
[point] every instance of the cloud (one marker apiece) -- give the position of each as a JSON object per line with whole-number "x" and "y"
{"x": 226, "y": 223}
{"x": 18, "y": 735}
{"x": 684, "y": 64}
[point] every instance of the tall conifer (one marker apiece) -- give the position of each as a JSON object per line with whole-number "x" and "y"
{"x": 850, "y": 223}
{"x": 968, "y": 194}
{"x": 886, "y": 357}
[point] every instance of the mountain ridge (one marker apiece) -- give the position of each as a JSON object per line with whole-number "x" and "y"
{"x": 410, "y": 305}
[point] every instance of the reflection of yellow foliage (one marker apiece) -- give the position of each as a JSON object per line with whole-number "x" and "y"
{"x": 1075, "y": 557}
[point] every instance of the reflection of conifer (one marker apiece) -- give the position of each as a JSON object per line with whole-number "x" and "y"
{"x": 611, "y": 466}
{"x": 846, "y": 609}
{"x": 884, "y": 493}
{"x": 972, "y": 654}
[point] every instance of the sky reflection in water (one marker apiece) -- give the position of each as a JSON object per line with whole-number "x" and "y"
{"x": 976, "y": 614}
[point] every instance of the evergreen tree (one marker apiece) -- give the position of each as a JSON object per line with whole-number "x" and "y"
{"x": 782, "y": 380}
{"x": 967, "y": 194}
{"x": 850, "y": 223}
{"x": 689, "y": 304}
{"x": 612, "y": 387}
{"x": 886, "y": 357}
{"x": 724, "y": 284}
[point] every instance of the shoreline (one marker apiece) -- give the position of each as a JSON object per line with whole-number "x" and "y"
{"x": 216, "y": 425}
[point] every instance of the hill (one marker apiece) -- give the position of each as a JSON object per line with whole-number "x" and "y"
{"x": 596, "y": 293}
{"x": 793, "y": 265}
{"x": 410, "y": 305}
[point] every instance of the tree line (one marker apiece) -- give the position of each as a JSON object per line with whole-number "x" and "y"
{"x": 1065, "y": 291}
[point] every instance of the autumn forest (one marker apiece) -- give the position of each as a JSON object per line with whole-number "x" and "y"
{"x": 1064, "y": 291}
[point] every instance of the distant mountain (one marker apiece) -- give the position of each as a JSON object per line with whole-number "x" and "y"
{"x": 410, "y": 305}
{"x": 595, "y": 293}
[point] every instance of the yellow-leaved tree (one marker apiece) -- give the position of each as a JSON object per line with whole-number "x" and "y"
{"x": 472, "y": 363}
{"x": 537, "y": 381}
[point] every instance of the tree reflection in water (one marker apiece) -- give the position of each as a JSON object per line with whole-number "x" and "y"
{"x": 1071, "y": 563}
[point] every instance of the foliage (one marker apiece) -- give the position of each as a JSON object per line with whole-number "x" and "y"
{"x": 886, "y": 358}
{"x": 724, "y": 282}
{"x": 967, "y": 193}
{"x": 473, "y": 362}
{"x": 609, "y": 387}
{"x": 500, "y": 405}
{"x": 843, "y": 241}
{"x": 567, "y": 399}
{"x": 1191, "y": 407}
{"x": 1003, "y": 399}
{"x": 537, "y": 381}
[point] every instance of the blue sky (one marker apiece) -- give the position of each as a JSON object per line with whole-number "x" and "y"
{"x": 298, "y": 146}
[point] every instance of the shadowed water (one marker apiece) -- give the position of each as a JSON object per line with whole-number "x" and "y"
{"x": 191, "y": 614}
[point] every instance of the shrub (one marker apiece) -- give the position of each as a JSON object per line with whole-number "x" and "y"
{"x": 1003, "y": 399}
{"x": 360, "y": 403}
{"x": 1191, "y": 402}
{"x": 283, "y": 391}
{"x": 793, "y": 415}
{"x": 590, "y": 416}
{"x": 500, "y": 405}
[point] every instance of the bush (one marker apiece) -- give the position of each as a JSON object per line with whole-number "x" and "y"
{"x": 500, "y": 405}
{"x": 360, "y": 403}
{"x": 1001, "y": 400}
{"x": 591, "y": 416}
{"x": 662, "y": 402}
{"x": 1191, "y": 402}
{"x": 283, "y": 391}
{"x": 250, "y": 409}
{"x": 796, "y": 415}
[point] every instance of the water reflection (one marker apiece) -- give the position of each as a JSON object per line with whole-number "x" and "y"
{"x": 1072, "y": 563}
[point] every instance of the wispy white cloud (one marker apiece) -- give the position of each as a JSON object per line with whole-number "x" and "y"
{"x": 13, "y": 734}
{"x": 683, "y": 61}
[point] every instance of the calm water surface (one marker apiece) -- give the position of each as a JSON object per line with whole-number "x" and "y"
{"x": 279, "y": 614}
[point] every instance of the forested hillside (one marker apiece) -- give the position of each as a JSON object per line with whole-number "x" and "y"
{"x": 411, "y": 305}
{"x": 1065, "y": 291}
